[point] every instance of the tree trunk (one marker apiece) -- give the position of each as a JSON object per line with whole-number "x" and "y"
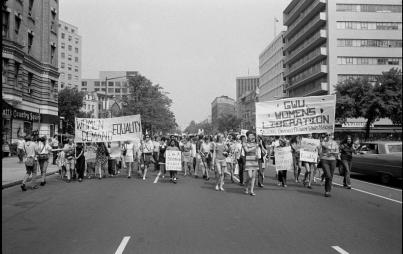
{"x": 368, "y": 128}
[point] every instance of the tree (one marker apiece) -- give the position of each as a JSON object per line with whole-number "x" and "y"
{"x": 228, "y": 122}
{"x": 359, "y": 98}
{"x": 152, "y": 103}
{"x": 70, "y": 103}
{"x": 195, "y": 127}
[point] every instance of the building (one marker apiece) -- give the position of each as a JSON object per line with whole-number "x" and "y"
{"x": 118, "y": 83}
{"x": 271, "y": 70}
{"x": 29, "y": 68}
{"x": 246, "y": 92}
{"x": 221, "y": 106}
{"x": 69, "y": 56}
{"x": 331, "y": 41}
{"x": 91, "y": 104}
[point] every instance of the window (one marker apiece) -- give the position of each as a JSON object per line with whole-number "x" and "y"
{"x": 76, "y": 50}
{"x": 97, "y": 83}
{"x": 75, "y": 69}
{"x": 96, "y": 89}
{"x": 110, "y": 83}
{"x": 69, "y": 76}
{"x": 30, "y": 5}
{"x": 29, "y": 83}
{"x": 69, "y": 67}
{"x": 53, "y": 88}
{"x": 30, "y": 41}
{"x": 103, "y": 83}
{"x": 63, "y": 55}
{"x": 62, "y": 75}
{"x": 70, "y": 37}
{"x": 17, "y": 23}
{"x": 369, "y": 60}
{"x": 62, "y": 65}
{"x": 117, "y": 90}
{"x": 368, "y": 8}
{"x": 76, "y": 41}
{"x": 62, "y": 85}
{"x": 16, "y": 74}
{"x": 103, "y": 89}
{"x": 356, "y": 25}
{"x": 62, "y": 45}
{"x": 117, "y": 83}
{"x": 124, "y": 90}
{"x": 72, "y": 30}
{"x": 63, "y": 35}
{"x": 75, "y": 78}
{"x": 110, "y": 90}
{"x": 76, "y": 59}
{"x": 70, "y": 47}
{"x": 6, "y": 16}
{"x": 4, "y": 72}
{"x": 83, "y": 89}
{"x": 69, "y": 57}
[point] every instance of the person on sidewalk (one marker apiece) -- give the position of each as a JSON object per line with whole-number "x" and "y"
{"x": 30, "y": 163}
{"x": 43, "y": 151}
{"x": 20, "y": 149}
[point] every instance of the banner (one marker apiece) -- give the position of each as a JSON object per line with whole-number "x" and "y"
{"x": 283, "y": 158}
{"x": 309, "y": 150}
{"x": 108, "y": 129}
{"x": 173, "y": 160}
{"x": 294, "y": 116}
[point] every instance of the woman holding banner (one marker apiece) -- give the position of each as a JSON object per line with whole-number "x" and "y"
{"x": 309, "y": 168}
{"x": 282, "y": 174}
{"x": 251, "y": 165}
{"x": 329, "y": 154}
{"x": 80, "y": 161}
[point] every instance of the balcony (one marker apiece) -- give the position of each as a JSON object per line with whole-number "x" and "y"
{"x": 309, "y": 60}
{"x": 305, "y": 32}
{"x": 291, "y": 16}
{"x": 318, "y": 71}
{"x": 316, "y": 88}
{"x": 315, "y": 7}
{"x": 317, "y": 39}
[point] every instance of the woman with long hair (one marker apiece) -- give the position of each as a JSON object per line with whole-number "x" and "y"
{"x": 231, "y": 156}
{"x": 295, "y": 150}
{"x": 129, "y": 154}
{"x": 161, "y": 159}
{"x": 219, "y": 156}
{"x": 329, "y": 153}
{"x": 80, "y": 161}
{"x": 251, "y": 165}
{"x": 261, "y": 161}
{"x": 347, "y": 149}
{"x": 101, "y": 159}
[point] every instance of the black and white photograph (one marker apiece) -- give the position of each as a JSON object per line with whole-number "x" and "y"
{"x": 201, "y": 126}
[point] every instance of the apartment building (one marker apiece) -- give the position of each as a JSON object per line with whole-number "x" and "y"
{"x": 222, "y": 105}
{"x": 246, "y": 94}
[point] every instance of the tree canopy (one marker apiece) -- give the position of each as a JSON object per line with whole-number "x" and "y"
{"x": 70, "y": 102}
{"x": 228, "y": 122}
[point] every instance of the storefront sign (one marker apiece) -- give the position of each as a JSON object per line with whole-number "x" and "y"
{"x": 19, "y": 114}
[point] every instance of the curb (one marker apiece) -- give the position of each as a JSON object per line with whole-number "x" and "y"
{"x": 8, "y": 185}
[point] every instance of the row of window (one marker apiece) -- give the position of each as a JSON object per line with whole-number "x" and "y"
{"x": 361, "y": 25}
{"x": 67, "y": 29}
{"x": 69, "y": 76}
{"x": 369, "y": 60}
{"x": 70, "y": 48}
{"x": 111, "y": 90}
{"x": 69, "y": 67}
{"x": 369, "y": 77}
{"x": 369, "y": 8}
{"x": 69, "y": 57}
{"x": 70, "y": 38}
{"x": 306, "y": 73}
{"x": 69, "y": 85}
{"x": 110, "y": 83}
{"x": 369, "y": 43}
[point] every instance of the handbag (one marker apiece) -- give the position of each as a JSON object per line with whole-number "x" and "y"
{"x": 30, "y": 161}
{"x": 124, "y": 150}
{"x": 43, "y": 156}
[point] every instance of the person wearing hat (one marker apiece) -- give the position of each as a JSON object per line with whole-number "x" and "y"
{"x": 147, "y": 148}
{"x": 329, "y": 151}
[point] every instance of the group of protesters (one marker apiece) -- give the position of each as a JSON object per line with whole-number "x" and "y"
{"x": 242, "y": 158}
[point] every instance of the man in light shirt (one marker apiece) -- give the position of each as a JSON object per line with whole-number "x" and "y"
{"x": 30, "y": 148}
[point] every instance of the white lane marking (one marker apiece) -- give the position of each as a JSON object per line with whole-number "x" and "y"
{"x": 156, "y": 179}
{"x": 377, "y": 185}
{"x": 339, "y": 250}
{"x": 122, "y": 245}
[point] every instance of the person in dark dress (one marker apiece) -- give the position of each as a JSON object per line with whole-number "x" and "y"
{"x": 80, "y": 161}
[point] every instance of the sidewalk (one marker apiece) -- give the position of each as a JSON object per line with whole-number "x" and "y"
{"x": 13, "y": 172}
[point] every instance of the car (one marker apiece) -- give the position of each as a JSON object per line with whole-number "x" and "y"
{"x": 382, "y": 159}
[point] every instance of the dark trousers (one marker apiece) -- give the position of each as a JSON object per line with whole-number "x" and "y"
{"x": 282, "y": 176}
{"x": 54, "y": 155}
{"x": 20, "y": 154}
{"x": 155, "y": 157}
{"x": 346, "y": 170}
{"x": 80, "y": 167}
{"x": 328, "y": 167}
{"x": 241, "y": 164}
{"x": 260, "y": 172}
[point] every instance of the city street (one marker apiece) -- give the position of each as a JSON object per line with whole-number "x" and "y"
{"x": 99, "y": 216}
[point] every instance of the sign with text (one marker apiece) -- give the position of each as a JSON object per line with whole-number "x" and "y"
{"x": 108, "y": 129}
{"x": 309, "y": 150}
{"x": 90, "y": 152}
{"x": 173, "y": 160}
{"x": 283, "y": 158}
{"x": 294, "y": 116}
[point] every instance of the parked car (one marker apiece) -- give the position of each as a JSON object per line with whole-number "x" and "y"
{"x": 382, "y": 159}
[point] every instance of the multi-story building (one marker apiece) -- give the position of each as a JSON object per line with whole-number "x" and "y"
{"x": 91, "y": 104}
{"x": 221, "y": 106}
{"x": 117, "y": 86}
{"x": 271, "y": 70}
{"x": 69, "y": 56}
{"x": 246, "y": 92}
{"x": 29, "y": 68}
{"x": 330, "y": 41}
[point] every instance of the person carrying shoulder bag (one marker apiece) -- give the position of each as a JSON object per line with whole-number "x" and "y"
{"x": 30, "y": 163}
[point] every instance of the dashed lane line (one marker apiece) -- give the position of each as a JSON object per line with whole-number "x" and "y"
{"x": 339, "y": 250}
{"x": 122, "y": 245}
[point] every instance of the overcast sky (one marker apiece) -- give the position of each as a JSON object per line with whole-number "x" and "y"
{"x": 194, "y": 49}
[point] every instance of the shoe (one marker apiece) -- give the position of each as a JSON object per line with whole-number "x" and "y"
{"x": 241, "y": 184}
{"x": 129, "y": 176}
{"x": 246, "y": 191}
{"x": 204, "y": 177}
{"x": 144, "y": 178}
{"x": 68, "y": 180}
{"x": 80, "y": 180}
{"x": 23, "y": 188}
{"x": 221, "y": 189}
{"x": 279, "y": 184}
{"x": 104, "y": 176}
{"x": 348, "y": 187}
{"x": 100, "y": 178}
{"x": 35, "y": 187}
{"x": 216, "y": 188}
{"x": 285, "y": 185}
{"x": 260, "y": 185}
{"x": 252, "y": 194}
{"x": 89, "y": 177}
{"x": 309, "y": 187}
{"x": 208, "y": 178}
{"x": 43, "y": 183}
{"x": 327, "y": 194}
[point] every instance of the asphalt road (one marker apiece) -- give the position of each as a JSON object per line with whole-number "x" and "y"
{"x": 191, "y": 217}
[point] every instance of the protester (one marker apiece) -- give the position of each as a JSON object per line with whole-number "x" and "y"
{"x": 147, "y": 148}
{"x": 347, "y": 149}
{"x": 20, "y": 149}
{"x": 240, "y": 155}
{"x": 262, "y": 151}
{"x": 282, "y": 174}
{"x": 251, "y": 164}
{"x": 172, "y": 146}
{"x": 295, "y": 150}
{"x": 61, "y": 163}
{"x": 43, "y": 153}
{"x": 70, "y": 161}
{"x": 193, "y": 154}
{"x": 206, "y": 157}
{"x": 329, "y": 153}
{"x": 30, "y": 148}
{"x": 55, "y": 145}
{"x": 230, "y": 159}
{"x": 80, "y": 161}
{"x": 101, "y": 159}
{"x": 129, "y": 155}
{"x": 161, "y": 159}
{"x": 156, "y": 150}
{"x": 186, "y": 155}
{"x": 199, "y": 143}
{"x": 219, "y": 156}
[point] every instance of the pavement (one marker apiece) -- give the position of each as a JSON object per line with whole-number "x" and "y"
{"x": 121, "y": 215}
{"x": 12, "y": 172}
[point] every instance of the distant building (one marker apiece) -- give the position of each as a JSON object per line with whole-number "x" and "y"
{"x": 245, "y": 101}
{"x": 69, "y": 56}
{"x": 221, "y": 106}
{"x": 271, "y": 70}
{"x": 116, "y": 87}
{"x": 91, "y": 104}
{"x": 29, "y": 68}
{"x": 331, "y": 41}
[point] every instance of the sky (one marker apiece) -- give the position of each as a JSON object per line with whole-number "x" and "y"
{"x": 193, "y": 49}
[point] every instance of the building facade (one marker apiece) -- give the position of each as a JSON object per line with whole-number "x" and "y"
{"x": 29, "y": 68}
{"x": 91, "y": 104}
{"x": 271, "y": 70}
{"x": 69, "y": 56}
{"x": 330, "y": 41}
{"x": 221, "y": 106}
{"x": 116, "y": 87}
{"x": 246, "y": 92}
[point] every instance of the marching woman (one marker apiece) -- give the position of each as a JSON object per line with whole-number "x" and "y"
{"x": 129, "y": 153}
{"x": 261, "y": 161}
{"x": 186, "y": 155}
{"x": 147, "y": 149}
{"x": 346, "y": 153}
{"x": 219, "y": 156}
{"x": 251, "y": 165}
{"x": 161, "y": 159}
{"x": 231, "y": 156}
{"x": 329, "y": 152}
{"x": 70, "y": 162}
{"x": 295, "y": 150}
{"x": 43, "y": 151}
{"x": 80, "y": 161}
{"x": 172, "y": 146}
{"x": 282, "y": 174}
{"x": 206, "y": 157}
{"x": 101, "y": 159}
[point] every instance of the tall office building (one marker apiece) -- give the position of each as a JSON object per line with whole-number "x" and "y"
{"x": 271, "y": 70}
{"x": 69, "y": 56}
{"x": 221, "y": 106}
{"x": 246, "y": 92}
{"x": 331, "y": 41}
{"x": 29, "y": 68}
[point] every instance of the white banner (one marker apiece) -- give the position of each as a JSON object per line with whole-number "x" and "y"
{"x": 294, "y": 116}
{"x": 309, "y": 150}
{"x": 283, "y": 158}
{"x": 108, "y": 129}
{"x": 173, "y": 160}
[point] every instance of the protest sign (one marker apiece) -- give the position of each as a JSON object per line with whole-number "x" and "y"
{"x": 283, "y": 158}
{"x": 90, "y": 152}
{"x": 309, "y": 150}
{"x": 108, "y": 129}
{"x": 115, "y": 150}
{"x": 294, "y": 116}
{"x": 173, "y": 160}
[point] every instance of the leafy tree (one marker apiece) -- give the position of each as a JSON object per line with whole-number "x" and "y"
{"x": 152, "y": 103}
{"x": 228, "y": 122}
{"x": 195, "y": 127}
{"x": 70, "y": 103}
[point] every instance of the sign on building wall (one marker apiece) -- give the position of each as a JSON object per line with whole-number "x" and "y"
{"x": 108, "y": 129}
{"x": 294, "y": 116}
